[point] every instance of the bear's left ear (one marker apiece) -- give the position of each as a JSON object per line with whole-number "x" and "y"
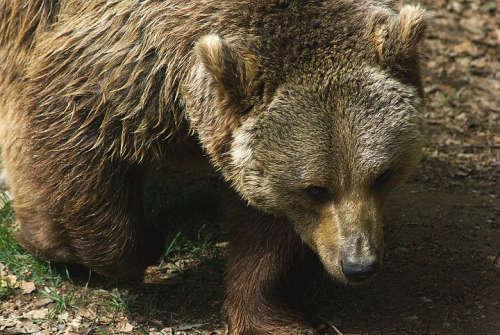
{"x": 396, "y": 36}
{"x": 232, "y": 71}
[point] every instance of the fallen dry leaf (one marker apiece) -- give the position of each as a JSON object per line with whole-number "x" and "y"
{"x": 37, "y": 314}
{"x": 42, "y": 302}
{"x": 466, "y": 48}
{"x": 27, "y": 287}
{"x": 8, "y": 280}
{"x": 125, "y": 327}
{"x": 87, "y": 313}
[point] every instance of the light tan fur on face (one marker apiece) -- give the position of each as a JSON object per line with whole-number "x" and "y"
{"x": 333, "y": 226}
{"x": 326, "y": 239}
{"x": 342, "y": 142}
{"x": 241, "y": 150}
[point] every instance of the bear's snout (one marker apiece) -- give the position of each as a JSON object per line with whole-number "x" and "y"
{"x": 359, "y": 271}
{"x": 359, "y": 260}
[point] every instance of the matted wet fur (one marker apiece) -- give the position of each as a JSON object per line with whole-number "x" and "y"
{"x": 310, "y": 109}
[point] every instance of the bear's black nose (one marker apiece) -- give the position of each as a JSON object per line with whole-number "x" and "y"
{"x": 358, "y": 271}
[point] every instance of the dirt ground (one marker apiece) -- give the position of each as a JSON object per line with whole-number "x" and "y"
{"x": 442, "y": 265}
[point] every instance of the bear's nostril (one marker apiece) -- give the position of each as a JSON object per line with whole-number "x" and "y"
{"x": 359, "y": 271}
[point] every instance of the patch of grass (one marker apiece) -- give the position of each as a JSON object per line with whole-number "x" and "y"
{"x": 449, "y": 100}
{"x": 189, "y": 212}
{"x": 180, "y": 245}
{"x": 102, "y": 331}
{"x": 6, "y": 291}
{"x": 113, "y": 301}
{"x": 63, "y": 301}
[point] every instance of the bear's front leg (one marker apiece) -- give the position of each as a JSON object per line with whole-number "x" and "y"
{"x": 268, "y": 268}
{"x": 72, "y": 210}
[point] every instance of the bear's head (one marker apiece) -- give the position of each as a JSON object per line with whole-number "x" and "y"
{"x": 328, "y": 143}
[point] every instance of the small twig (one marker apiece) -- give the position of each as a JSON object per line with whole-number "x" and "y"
{"x": 331, "y": 325}
{"x": 336, "y": 329}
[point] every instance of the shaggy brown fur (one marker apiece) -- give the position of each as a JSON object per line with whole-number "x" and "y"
{"x": 283, "y": 96}
{"x": 268, "y": 269}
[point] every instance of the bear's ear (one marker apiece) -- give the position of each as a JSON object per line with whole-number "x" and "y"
{"x": 396, "y": 36}
{"x": 232, "y": 72}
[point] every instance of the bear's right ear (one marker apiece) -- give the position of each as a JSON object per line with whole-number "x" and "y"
{"x": 396, "y": 36}
{"x": 232, "y": 72}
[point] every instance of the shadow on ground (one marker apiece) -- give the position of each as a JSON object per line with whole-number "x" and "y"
{"x": 439, "y": 275}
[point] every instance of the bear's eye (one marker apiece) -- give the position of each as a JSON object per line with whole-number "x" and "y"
{"x": 383, "y": 178}
{"x": 319, "y": 194}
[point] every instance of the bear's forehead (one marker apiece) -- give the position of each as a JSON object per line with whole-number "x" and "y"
{"x": 359, "y": 102}
{"x": 363, "y": 121}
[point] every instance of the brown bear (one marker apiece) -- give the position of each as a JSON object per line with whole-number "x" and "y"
{"x": 311, "y": 110}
